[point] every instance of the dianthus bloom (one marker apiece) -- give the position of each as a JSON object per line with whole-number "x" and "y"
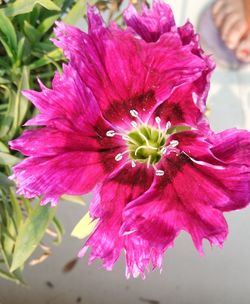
{"x": 126, "y": 120}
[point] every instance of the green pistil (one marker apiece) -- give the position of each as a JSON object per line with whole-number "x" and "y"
{"x": 146, "y": 144}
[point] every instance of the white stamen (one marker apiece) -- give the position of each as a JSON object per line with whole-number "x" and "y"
{"x": 133, "y": 164}
{"x": 157, "y": 120}
{"x": 110, "y": 133}
{"x": 134, "y": 124}
{"x": 163, "y": 150}
{"x": 202, "y": 163}
{"x": 195, "y": 97}
{"x": 118, "y": 157}
{"x": 134, "y": 113}
{"x": 168, "y": 125}
{"x": 125, "y": 137}
{"x": 159, "y": 172}
{"x": 174, "y": 143}
{"x": 128, "y": 232}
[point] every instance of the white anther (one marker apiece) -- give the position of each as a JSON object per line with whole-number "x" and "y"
{"x": 110, "y": 133}
{"x": 128, "y": 232}
{"x": 118, "y": 157}
{"x": 133, "y": 164}
{"x": 168, "y": 125}
{"x": 157, "y": 119}
{"x": 134, "y": 124}
{"x": 125, "y": 137}
{"x": 174, "y": 143}
{"x": 195, "y": 98}
{"x": 163, "y": 150}
{"x": 134, "y": 113}
{"x": 159, "y": 172}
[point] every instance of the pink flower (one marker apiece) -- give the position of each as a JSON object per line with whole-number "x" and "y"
{"x": 126, "y": 120}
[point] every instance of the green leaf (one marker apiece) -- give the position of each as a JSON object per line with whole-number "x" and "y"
{"x": 77, "y": 11}
{"x": 7, "y": 121}
{"x": 8, "y": 232}
{"x": 4, "y": 80}
{"x": 59, "y": 230}
{"x": 9, "y": 276}
{"x": 20, "y": 51}
{"x": 7, "y": 159}
{"x": 21, "y": 104}
{"x": 4, "y": 181}
{"x": 44, "y": 47}
{"x": 51, "y": 57}
{"x": 30, "y": 234}
{"x": 16, "y": 207}
{"x": 8, "y": 49}
{"x": 4, "y": 148}
{"x": 84, "y": 227}
{"x": 47, "y": 23}
{"x": 8, "y": 30}
{"x": 25, "y": 6}
{"x": 32, "y": 34}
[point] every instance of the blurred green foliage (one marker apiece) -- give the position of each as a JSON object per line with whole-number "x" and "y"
{"x": 26, "y": 53}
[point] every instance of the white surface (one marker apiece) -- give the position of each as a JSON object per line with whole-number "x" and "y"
{"x": 220, "y": 277}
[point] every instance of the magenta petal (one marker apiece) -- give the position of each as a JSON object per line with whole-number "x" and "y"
{"x": 207, "y": 178}
{"x": 69, "y": 104}
{"x": 95, "y": 21}
{"x": 182, "y": 200}
{"x": 232, "y": 146}
{"x": 126, "y": 73}
{"x": 72, "y": 153}
{"x": 181, "y": 108}
{"x": 52, "y": 142}
{"x": 153, "y": 22}
{"x": 109, "y": 201}
{"x": 224, "y": 161}
{"x": 68, "y": 173}
{"x": 202, "y": 84}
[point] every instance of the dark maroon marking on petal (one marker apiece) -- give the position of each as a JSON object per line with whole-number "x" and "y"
{"x": 170, "y": 112}
{"x": 119, "y": 110}
{"x": 172, "y": 166}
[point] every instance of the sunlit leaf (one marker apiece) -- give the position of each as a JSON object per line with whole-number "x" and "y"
{"x": 4, "y": 148}
{"x": 77, "y": 11}
{"x": 8, "y": 159}
{"x": 7, "y": 28}
{"x": 84, "y": 227}
{"x": 30, "y": 234}
{"x": 25, "y": 6}
{"x": 47, "y": 23}
{"x": 22, "y": 101}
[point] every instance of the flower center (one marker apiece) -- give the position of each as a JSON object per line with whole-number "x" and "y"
{"x": 146, "y": 144}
